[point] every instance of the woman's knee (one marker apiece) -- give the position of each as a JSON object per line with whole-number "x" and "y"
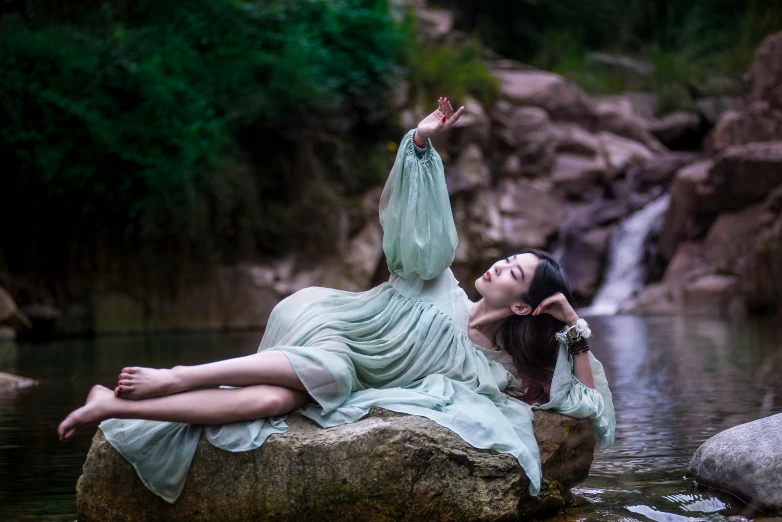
{"x": 269, "y": 401}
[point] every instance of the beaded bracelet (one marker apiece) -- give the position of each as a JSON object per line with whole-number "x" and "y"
{"x": 578, "y": 347}
{"x": 418, "y": 145}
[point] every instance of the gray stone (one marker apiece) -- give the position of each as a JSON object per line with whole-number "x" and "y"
{"x": 622, "y": 153}
{"x": 386, "y": 467}
{"x": 471, "y": 171}
{"x": 561, "y": 99}
{"x": 744, "y": 460}
{"x": 14, "y": 382}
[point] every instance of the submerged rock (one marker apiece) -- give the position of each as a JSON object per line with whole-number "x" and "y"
{"x": 744, "y": 460}
{"x": 382, "y": 468}
{"x": 15, "y": 382}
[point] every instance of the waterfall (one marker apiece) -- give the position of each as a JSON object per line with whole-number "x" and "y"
{"x": 625, "y": 270}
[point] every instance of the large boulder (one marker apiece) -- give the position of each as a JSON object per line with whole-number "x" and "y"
{"x": 744, "y": 460}
{"x": 561, "y": 99}
{"x": 530, "y": 214}
{"x": 762, "y": 118}
{"x": 386, "y": 467}
{"x": 742, "y": 175}
{"x": 758, "y": 122}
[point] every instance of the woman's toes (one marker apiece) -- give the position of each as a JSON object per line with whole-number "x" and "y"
{"x": 125, "y": 375}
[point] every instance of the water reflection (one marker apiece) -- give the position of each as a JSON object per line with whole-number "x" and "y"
{"x": 676, "y": 381}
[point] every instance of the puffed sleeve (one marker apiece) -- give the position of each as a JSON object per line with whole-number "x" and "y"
{"x": 570, "y": 396}
{"x": 419, "y": 234}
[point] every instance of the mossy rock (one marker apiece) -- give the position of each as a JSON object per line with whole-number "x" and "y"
{"x": 385, "y": 467}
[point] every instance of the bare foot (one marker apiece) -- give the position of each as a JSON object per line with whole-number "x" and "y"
{"x": 95, "y": 409}
{"x": 144, "y": 383}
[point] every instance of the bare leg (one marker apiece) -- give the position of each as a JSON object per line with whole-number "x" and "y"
{"x": 215, "y": 406}
{"x": 270, "y": 367}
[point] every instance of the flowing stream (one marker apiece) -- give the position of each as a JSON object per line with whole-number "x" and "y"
{"x": 676, "y": 381}
{"x": 625, "y": 270}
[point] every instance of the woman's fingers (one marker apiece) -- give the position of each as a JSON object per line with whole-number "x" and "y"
{"x": 451, "y": 120}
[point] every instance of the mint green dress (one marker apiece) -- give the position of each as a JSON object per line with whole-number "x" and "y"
{"x": 402, "y": 346}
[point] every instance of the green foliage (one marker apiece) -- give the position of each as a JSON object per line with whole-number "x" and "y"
{"x": 457, "y": 70}
{"x": 688, "y": 42}
{"x": 131, "y": 122}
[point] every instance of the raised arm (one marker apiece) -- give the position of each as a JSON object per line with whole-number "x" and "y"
{"x": 419, "y": 235}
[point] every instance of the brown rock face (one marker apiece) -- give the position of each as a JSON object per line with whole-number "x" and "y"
{"x": 386, "y": 467}
{"x": 743, "y": 174}
{"x": 759, "y": 122}
{"x": 764, "y": 76}
{"x": 560, "y": 98}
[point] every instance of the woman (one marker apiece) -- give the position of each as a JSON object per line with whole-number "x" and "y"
{"x": 414, "y": 345}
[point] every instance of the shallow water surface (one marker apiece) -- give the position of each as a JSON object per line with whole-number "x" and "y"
{"x": 676, "y": 382}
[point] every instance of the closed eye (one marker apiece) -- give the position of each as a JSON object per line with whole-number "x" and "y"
{"x": 507, "y": 260}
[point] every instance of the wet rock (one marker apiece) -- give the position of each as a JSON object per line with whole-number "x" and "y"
{"x": 682, "y": 221}
{"x": 384, "y": 467}
{"x": 584, "y": 258}
{"x": 561, "y": 99}
{"x": 743, "y": 174}
{"x": 761, "y": 271}
{"x": 14, "y": 382}
{"x": 744, "y": 460}
{"x": 714, "y": 294}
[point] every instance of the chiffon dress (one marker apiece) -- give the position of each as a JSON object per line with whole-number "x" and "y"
{"x": 402, "y": 346}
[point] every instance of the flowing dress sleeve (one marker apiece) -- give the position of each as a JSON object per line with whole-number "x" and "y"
{"x": 570, "y": 396}
{"x": 419, "y": 234}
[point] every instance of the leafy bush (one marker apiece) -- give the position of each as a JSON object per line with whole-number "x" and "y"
{"x": 132, "y": 122}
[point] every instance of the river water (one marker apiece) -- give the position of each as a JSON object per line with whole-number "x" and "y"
{"x": 676, "y": 382}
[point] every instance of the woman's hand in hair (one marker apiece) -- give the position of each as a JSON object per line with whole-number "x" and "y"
{"x": 438, "y": 121}
{"x": 557, "y": 306}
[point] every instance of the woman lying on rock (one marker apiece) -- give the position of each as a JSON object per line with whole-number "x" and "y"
{"x": 414, "y": 345}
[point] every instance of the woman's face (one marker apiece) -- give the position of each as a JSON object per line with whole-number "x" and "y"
{"x": 507, "y": 280}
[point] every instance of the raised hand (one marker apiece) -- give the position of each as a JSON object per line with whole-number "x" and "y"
{"x": 557, "y": 305}
{"x": 438, "y": 121}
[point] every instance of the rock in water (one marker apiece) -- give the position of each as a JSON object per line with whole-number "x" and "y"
{"x": 745, "y": 460}
{"x": 385, "y": 467}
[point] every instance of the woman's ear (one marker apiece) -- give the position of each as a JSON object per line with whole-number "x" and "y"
{"x": 521, "y": 308}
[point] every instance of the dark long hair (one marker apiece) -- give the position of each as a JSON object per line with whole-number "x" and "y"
{"x": 529, "y": 339}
